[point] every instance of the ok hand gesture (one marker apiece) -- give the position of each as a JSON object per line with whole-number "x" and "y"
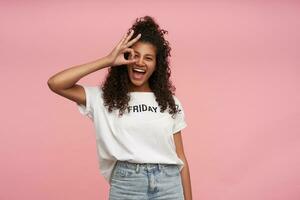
{"x": 116, "y": 56}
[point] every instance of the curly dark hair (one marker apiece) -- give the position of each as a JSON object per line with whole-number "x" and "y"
{"x": 117, "y": 82}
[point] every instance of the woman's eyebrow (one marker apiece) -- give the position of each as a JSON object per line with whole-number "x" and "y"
{"x": 148, "y": 54}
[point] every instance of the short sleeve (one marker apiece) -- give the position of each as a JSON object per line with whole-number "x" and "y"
{"x": 90, "y": 95}
{"x": 179, "y": 121}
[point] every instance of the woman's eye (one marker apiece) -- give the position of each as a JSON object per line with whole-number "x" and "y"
{"x": 149, "y": 58}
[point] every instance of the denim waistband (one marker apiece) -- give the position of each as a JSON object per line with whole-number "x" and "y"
{"x": 148, "y": 166}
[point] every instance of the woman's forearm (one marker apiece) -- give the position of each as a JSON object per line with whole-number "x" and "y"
{"x": 186, "y": 181}
{"x": 68, "y": 77}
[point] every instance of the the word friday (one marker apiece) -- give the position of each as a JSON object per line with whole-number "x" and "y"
{"x": 146, "y": 108}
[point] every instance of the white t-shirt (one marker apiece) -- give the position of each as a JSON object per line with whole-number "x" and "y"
{"x": 142, "y": 135}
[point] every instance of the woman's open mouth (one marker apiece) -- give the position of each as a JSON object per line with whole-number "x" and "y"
{"x": 138, "y": 73}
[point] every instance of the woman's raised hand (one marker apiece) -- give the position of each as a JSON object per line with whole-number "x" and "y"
{"x": 116, "y": 56}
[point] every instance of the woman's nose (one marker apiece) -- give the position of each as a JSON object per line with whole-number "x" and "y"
{"x": 139, "y": 61}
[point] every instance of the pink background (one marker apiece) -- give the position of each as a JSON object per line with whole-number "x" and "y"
{"x": 235, "y": 65}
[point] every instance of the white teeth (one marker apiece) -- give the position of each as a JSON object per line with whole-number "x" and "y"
{"x": 138, "y": 70}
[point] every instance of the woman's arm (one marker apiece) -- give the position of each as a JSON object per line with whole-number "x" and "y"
{"x": 68, "y": 77}
{"x": 185, "y": 172}
{"x": 64, "y": 83}
{"x": 186, "y": 181}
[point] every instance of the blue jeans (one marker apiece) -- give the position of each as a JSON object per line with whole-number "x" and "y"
{"x": 143, "y": 181}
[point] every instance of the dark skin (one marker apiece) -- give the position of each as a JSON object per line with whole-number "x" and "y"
{"x": 185, "y": 172}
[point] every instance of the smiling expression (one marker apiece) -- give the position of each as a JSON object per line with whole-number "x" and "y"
{"x": 145, "y": 53}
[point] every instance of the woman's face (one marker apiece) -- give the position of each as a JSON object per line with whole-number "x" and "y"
{"x": 145, "y": 53}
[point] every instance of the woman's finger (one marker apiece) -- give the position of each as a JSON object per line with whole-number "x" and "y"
{"x": 122, "y": 40}
{"x": 131, "y": 57}
{"x": 130, "y": 43}
{"x": 128, "y": 37}
{"x": 130, "y": 50}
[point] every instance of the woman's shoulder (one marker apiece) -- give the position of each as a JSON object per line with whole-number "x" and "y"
{"x": 93, "y": 88}
{"x": 93, "y": 91}
{"x": 176, "y": 99}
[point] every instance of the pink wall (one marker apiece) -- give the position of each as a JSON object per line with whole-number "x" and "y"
{"x": 236, "y": 67}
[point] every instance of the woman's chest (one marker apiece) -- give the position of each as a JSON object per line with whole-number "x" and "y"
{"x": 143, "y": 118}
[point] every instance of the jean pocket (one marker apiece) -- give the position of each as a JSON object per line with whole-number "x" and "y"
{"x": 171, "y": 170}
{"x": 123, "y": 171}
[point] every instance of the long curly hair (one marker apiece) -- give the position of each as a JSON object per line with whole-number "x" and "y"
{"x": 117, "y": 82}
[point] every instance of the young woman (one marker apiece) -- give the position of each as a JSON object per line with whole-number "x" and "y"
{"x": 137, "y": 118}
